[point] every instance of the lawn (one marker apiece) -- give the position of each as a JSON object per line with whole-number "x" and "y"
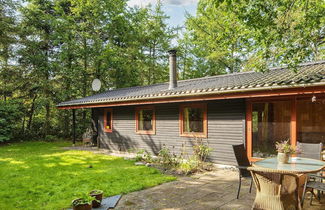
{"x": 42, "y": 175}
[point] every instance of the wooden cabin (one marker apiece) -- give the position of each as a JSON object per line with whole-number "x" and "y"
{"x": 254, "y": 108}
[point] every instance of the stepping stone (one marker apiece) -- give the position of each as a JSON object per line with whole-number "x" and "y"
{"x": 139, "y": 163}
{"x": 108, "y": 203}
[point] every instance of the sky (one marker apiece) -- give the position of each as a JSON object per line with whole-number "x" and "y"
{"x": 175, "y": 9}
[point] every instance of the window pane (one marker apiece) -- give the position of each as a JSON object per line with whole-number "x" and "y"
{"x": 271, "y": 123}
{"x": 311, "y": 120}
{"x": 145, "y": 118}
{"x": 193, "y": 120}
{"x": 108, "y": 120}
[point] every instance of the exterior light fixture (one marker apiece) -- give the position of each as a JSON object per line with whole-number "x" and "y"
{"x": 313, "y": 99}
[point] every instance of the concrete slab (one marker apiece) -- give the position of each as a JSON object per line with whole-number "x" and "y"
{"x": 212, "y": 190}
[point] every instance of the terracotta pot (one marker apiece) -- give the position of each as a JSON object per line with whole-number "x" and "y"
{"x": 99, "y": 197}
{"x": 283, "y": 158}
{"x": 82, "y": 207}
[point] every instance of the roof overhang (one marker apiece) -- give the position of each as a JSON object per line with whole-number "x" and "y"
{"x": 271, "y": 91}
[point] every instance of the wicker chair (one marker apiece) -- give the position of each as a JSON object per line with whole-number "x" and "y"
{"x": 275, "y": 190}
{"x": 242, "y": 164}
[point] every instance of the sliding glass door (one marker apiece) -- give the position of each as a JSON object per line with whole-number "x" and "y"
{"x": 311, "y": 120}
{"x": 270, "y": 123}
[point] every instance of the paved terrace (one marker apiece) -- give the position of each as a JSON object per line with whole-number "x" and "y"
{"x": 211, "y": 190}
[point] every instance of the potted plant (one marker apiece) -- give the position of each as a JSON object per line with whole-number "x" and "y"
{"x": 83, "y": 203}
{"x": 285, "y": 150}
{"x": 98, "y": 195}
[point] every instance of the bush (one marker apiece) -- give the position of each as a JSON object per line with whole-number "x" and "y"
{"x": 201, "y": 151}
{"x": 143, "y": 155}
{"x": 167, "y": 158}
{"x": 10, "y": 114}
{"x": 50, "y": 138}
{"x": 189, "y": 166}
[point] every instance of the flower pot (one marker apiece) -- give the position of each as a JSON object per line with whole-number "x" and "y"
{"x": 82, "y": 206}
{"x": 98, "y": 195}
{"x": 283, "y": 157}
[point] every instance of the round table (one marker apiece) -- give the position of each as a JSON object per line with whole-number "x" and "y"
{"x": 296, "y": 165}
{"x": 278, "y": 185}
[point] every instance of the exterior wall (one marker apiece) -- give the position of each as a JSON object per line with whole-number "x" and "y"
{"x": 226, "y": 126}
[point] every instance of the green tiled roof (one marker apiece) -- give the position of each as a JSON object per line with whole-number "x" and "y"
{"x": 308, "y": 74}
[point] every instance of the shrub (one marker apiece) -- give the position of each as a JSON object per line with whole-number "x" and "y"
{"x": 167, "y": 158}
{"x": 189, "y": 166}
{"x": 143, "y": 155}
{"x": 50, "y": 138}
{"x": 139, "y": 155}
{"x": 9, "y": 117}
{"x": 201, "y": 151}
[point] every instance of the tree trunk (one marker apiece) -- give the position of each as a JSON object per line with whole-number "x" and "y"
{"x": 31, "y": 113}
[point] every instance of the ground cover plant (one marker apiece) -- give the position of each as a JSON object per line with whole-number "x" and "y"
{"x": 42, "y": 175}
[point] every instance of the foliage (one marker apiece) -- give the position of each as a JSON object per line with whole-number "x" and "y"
{"x": 96, "y": 192}
{"x": 51, "y": 50}
{"x": 85, "y": 199}
{"x": 201, "y": 150}
{"x": 285, "y": 147}
{"x": 42, "y": 175}
{"x": 143, "y": 155}
{"x": 167, "y": 158}
{"x": 189, "y": 166}
{"x": 183, "y": 164}
{"x": 253, "y": 35}
{"x": 10, "y": 112}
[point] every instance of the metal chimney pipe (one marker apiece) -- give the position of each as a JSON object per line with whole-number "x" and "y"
{"x": 172, "y": 69}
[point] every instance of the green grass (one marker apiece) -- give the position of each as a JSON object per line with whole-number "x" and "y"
{"x": 42, "y": 175}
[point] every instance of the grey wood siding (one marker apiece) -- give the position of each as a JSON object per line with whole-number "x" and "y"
{"x": 226, "y": 126}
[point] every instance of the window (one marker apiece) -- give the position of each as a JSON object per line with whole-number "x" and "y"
{"x": 193, "y": 120}
{"x": 145, "y": 120}
{"x": 108, "y": 120}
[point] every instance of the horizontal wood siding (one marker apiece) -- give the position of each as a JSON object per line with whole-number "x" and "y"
{"x": 226, "y": 126}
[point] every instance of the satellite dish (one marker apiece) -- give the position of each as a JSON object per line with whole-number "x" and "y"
{"x": 96, "y": 85}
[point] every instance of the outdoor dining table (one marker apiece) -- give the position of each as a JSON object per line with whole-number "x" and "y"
{"x": 282, "y": 183}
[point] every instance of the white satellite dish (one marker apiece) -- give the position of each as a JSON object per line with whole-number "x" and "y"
{"x": 96, "y": 84}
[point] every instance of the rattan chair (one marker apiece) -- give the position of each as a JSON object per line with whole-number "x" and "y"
{"x": 275, "y": 189}
{"x": 242, "y": 165}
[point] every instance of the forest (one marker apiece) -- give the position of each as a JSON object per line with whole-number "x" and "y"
{"x": 51, "y": 50}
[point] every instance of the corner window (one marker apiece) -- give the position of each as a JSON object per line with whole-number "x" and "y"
{"x": 145, "y": 120}
{"x": 193, "y": 120}
{"x": 108, "y": 120}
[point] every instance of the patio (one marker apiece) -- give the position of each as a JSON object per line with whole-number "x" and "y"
{"x": 212, "y": 190}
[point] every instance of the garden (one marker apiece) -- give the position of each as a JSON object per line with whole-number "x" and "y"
{"x": 43, "y": 175}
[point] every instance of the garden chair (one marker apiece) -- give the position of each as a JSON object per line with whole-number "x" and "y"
{"x": 275, "y": 190}
{"x": 87, "y": 137}
{"x": 242, "y": 165}
{"x": 313, "y": 182}
{"x": 312, "y": 151}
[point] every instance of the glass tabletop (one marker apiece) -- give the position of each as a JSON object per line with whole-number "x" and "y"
{"x": 296, "y": 164}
